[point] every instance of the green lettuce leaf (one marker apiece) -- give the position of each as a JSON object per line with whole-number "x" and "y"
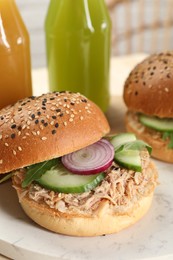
{"x": 35, "y": 171}
{"x": 6, "y": 177}
{"x": 137, "y": 145}
{"x": 168, "y": 135}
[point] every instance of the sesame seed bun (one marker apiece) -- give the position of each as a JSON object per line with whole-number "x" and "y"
{"x": 37, "y": 129}
{"x": 149, "y": 90}
{"x": 149, "y": 87}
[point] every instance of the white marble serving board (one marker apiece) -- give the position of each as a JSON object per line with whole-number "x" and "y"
{"x": 150, "y": 238}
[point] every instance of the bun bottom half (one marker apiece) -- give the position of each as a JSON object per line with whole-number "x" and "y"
{"x": 105, "y": 221}
{"x": 159, "y": 147}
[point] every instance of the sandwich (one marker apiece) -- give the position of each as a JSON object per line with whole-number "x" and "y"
{"x": 148, "y": 94}
{"x": 70, "y": 177}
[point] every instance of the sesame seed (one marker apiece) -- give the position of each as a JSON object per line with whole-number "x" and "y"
{"x": 34, "y": 133}
{"x": 65, "y": 123}
{"x": 53, "y": 132}
{"x": 13, "y": 126}
{"x": 44, "y": 138}
{"x": 14, "y": 152}
{"x": 56, "y": 125}
{"x": 71, "y": 120}
{"x": 0, "y": 136}
{"x": 38, "y": 132}
{"x": 19, "y": 128}
{"x": 13, "y": 136}
{"x": 81, "y": 117}
{"x": 19, "y": 148}
{"x": 6, "y": 144}
{"x": 72, "y": 115}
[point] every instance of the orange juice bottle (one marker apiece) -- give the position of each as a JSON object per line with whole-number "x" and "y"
{"x": 15, "y": 67}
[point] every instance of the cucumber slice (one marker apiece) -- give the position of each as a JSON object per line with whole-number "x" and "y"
{"x": 61, "y": 180}
{"x": 129, "y": 159}
{"x": 123, "y": 138}
{"x": 160, "y": 124}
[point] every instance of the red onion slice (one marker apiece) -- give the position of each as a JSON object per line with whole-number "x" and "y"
{"x": 92, "y": 159}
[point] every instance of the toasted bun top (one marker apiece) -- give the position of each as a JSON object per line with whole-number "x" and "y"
{"x": 37, "y": 129}
{"x": 149, "y": 87}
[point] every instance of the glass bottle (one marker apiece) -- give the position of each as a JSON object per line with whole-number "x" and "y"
{"x": 78, "y": 48}
{"x": 15, "y": 68}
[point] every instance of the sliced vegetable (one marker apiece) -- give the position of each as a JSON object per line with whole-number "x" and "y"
{"x": 6, "y": 177}
{"x": 159, "y": 124}
{"x": 61, "y": 180}
{"x": 129, "y": 159}
{"x": 35, "y": 171}
{"x": 168, "y": 135}
{"x": 128, "y": 154}
{"x": 120, "y": 139}
{"x": 92, "y": 159}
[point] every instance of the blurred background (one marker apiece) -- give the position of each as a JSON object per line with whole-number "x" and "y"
{"x": 137, "y": 26}
{"x": 33, "y": 13}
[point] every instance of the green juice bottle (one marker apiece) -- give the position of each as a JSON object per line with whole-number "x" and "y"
{"x": 78, "y": 48}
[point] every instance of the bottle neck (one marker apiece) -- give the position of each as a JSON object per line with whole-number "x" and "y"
{"x": 4, "y": 4}
{"x": 76, "y": 15}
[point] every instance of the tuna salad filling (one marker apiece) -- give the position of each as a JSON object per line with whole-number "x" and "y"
{"x": 121, "y": 187}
